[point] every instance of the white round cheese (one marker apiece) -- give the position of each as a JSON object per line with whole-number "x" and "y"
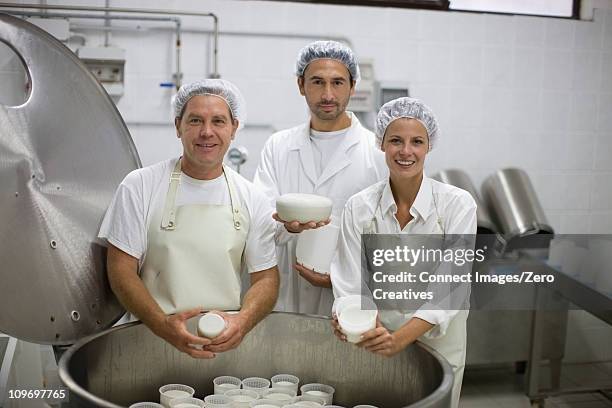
{"x": 303, "y": 207}
{"x": 211, "y": 325}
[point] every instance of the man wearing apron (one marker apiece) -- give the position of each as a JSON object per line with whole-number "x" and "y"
{"x": 180, "y": 231}
{"x": 331, "y": 155}
{"x": 408, "y": 202}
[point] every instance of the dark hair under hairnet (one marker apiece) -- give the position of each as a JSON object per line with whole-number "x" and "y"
{"x": 327, "y": 50}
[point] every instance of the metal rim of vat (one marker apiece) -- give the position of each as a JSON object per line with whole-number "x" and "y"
{"x": 445, "y": 387}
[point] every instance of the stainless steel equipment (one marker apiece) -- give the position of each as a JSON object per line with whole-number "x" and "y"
{"x": 514, "y": 204}
{"x": 504, "y": 336}
{"x": 62, "y": 155}
{"x": 128, "y": 364}
{"x": 460, "y": 178}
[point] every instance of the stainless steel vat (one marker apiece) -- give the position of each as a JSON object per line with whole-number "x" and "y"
{"x": 512, "y": 200}
{"x": 128, "y": 363}
{"x": 459, "y": 178}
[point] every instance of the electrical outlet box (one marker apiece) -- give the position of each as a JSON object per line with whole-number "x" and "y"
{"x": 107, "y": 64}
{"x": 389, "y": 90}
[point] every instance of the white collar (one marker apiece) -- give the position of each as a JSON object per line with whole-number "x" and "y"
{"x": 422, "y": 205}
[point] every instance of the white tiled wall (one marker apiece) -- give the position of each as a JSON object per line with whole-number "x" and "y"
{"x": 522, "y": 91}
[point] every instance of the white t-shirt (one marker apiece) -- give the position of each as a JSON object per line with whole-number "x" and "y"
{"x": 143, "y": 191}
{"x": 324, "y": 145}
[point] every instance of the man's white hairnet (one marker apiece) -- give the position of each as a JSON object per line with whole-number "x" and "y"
{"x": 215, "y": 87}
{"x": 406, "y": 108}
{"x": 327, "y": 50}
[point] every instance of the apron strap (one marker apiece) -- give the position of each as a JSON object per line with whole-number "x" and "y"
{"x": 233, "y": 203}
{"x": 168, "y": 221}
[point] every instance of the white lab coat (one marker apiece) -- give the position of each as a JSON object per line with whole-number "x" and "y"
{"x": 287, "y": 166}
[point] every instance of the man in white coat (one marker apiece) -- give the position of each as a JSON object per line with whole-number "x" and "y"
{"x": 331, "y": 155}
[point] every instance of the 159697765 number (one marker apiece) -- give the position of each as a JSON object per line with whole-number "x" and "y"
{"x": 45, "y": 394}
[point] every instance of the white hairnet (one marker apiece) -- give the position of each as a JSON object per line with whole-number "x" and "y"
{"x": 406, "y": 108}
{"x": 215, "y": 87}
{"x": 327, "y": 50}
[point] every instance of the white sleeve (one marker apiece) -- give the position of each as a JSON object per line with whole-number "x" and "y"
{"x": 124, "y": 224}
{"x": 265, "y": 179}
{"x": 346, "y": 278}
{"x": 260, "y": 249}
{"x": 439, "y": 318}
{"x": 461, "y": 220}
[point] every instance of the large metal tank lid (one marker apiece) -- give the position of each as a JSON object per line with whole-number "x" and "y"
{"x": 62, "y": 155}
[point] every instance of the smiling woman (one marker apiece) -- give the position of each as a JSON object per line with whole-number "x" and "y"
{"x": 407, "y": 203}
{"x": 405, "y": 147}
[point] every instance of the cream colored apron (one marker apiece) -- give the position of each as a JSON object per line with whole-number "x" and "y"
{"x": 194, "y": 252}
{"x": 452, "y": 345}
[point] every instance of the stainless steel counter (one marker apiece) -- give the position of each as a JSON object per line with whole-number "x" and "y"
{"x": 570, "y": 290}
